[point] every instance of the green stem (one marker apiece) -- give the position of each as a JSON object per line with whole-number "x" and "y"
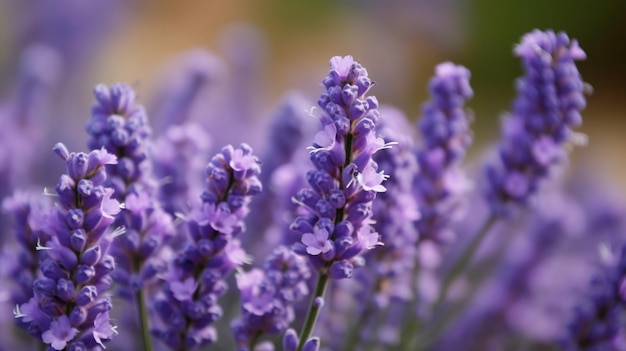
{"x": 254, "y": 340}
{"x": 143, "y": 321}
{"x": 314, "y": 309}
{"x": 411, "y": 321}
{"x": 463, "y": 262}
{"x": 353, "y": 335}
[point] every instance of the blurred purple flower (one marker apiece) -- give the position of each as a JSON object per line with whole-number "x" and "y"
{"x": 550, "y": 98}
{"x": 187, "y": 304}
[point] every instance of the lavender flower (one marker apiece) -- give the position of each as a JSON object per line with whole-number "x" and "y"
{"x": 599, "y": 320}
{"x": 268, "y": 296}
{"x": 287, "y": 130}
{"x": 178, "y": 162}
{"x": 31, "y": 216}
{"x": 345, "y": 181}
{"x": 445, "y": 129}
{"x": 75, "y": 32}
{"x": 182, "y": 89}
{"x": 182, "y": 147}
{"x": 337, "y": 228}
{"x": 70, "y": 307}
{"x": 550, "y": 98}
{"x": 188, "y": 304}
{"x": 120, "y": 126}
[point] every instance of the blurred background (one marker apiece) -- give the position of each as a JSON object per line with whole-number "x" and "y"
{"x": 286, "y": 45}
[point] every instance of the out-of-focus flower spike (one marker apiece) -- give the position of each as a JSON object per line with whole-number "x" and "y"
{"x": 186, "y": 81}
{"x": 187, "y": 304}
{"x": 549, "y": 99}
{"x": 70, "y": 295}
{"x": 268, "y": 296}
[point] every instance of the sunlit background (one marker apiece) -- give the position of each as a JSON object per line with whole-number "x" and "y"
{"x": 288, "y": 44}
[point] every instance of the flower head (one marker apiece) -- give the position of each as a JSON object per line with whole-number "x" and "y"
{"x": 60, "y": 333}
{"x": 317, "y": 243}
{"x": 545, "y": 111}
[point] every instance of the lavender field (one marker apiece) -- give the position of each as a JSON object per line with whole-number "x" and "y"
{"x": 303, "y": 176}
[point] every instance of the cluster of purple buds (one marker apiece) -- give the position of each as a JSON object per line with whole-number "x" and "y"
{"x": 346, "y": 179}
{"x": 445, "y": 128}
{"x": 188, "y": 303}
{"x": 549, "y": 99}
{"x": 598, "y": 322}
{"x": 70, "y": 307}
{"x": 30, "y": 213}
{"x": 120, "y": 125}
{"x": 148, "y": 230}
{"x": 268, "y": 296}
{"x": 178, "y": 163}
{"x": 290, "y": 342}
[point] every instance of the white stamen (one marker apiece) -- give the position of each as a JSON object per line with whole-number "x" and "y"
{"x": 179, "y": 218}
{"x": 39, "y": 247}
{"x": 48, "y": 192}
{"x": 118, "y": 231}
{"x": 165, "y": 180}
{"x": 579, "y": 139}
{"x": 17, "y": 313}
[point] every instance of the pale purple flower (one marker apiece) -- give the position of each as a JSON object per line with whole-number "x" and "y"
{"x": 184, "y": 290}
{"x": 324, "y": 139}
{"x": 371, "y": 180}
{"x": 60, "y": 333}
{"x": 368, "y": 238}
{"x": 102, "y": 329}
{"x": 317, "y": 243}
{"x": 241, "y": 161}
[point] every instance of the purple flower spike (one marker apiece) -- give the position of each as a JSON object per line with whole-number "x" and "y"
{"x": 268, "y": 296}
{"x": 187, "y": 305}
{"x": 346, "y": 179}
{"x": 335, "y": 226}
{"x": 120, "y": 126}
{"x": 179, "y": 158}
{"x": 288, "y": 129}
{"x": 70, "y": 306}
{"x": 31, "y": 215}
{"x": 597, "y": 322}
{"x": 445, "y": 127}
{"x": 547, "y": 107}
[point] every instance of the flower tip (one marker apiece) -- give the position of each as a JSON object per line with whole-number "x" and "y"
{"x": 61, "y": 150}
{"x": 107, "y": 158}
{"x": 576, "y": 52}
{"x": 341, "y": 65}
